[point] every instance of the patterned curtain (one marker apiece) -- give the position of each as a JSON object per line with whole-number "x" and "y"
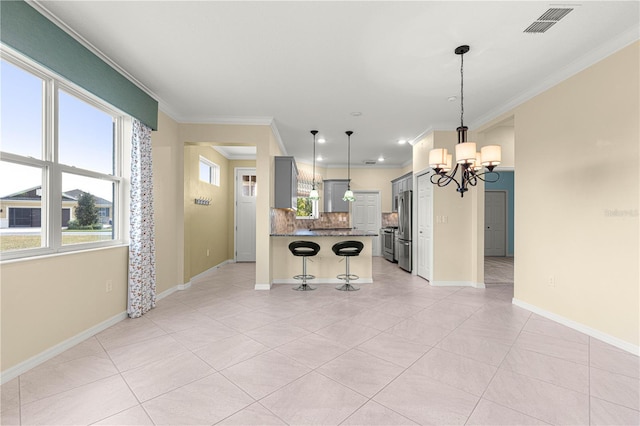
{"x": 142, "y": 250}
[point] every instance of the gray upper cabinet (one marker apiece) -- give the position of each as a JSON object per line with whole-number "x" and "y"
{"x": 333, "y": 192}
{"x": 398, "y": 186}
{"x": 286, "y": 183}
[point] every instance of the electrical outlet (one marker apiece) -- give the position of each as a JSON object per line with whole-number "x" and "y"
{"x": 551, "y": 281}
{"x": 109, "y": 286}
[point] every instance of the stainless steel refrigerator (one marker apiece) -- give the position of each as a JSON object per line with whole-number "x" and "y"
{"x": 403, "y": 234}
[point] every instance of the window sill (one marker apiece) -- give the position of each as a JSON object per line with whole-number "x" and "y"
{"x": 60, "y": 253}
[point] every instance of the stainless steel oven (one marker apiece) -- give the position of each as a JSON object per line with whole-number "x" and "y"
{"x": 389, "y": 243}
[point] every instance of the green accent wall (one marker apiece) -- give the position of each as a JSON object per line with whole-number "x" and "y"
{"x": 26, "y": 30}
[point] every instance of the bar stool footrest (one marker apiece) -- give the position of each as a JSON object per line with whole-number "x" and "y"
{"x": 348, "y": 277}
{"x": 304, "y": 277}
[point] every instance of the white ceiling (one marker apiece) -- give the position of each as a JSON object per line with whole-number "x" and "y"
{"x": 310, "y": 64}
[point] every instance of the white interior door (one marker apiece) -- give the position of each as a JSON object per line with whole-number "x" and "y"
{"x": 246, "y": 190}
{"x": 424, "y": 215}
{"x": 495, "y": 223}
{"x": 366, "y": 215}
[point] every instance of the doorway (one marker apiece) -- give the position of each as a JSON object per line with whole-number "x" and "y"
{"x": 495, "y": 223}
{"x": 424, "y": 221}
{"x": 246, "y": 187}
{"x": 367, "y": 216}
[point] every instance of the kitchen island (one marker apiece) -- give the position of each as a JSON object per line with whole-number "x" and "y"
{"x": 325, "y": 265}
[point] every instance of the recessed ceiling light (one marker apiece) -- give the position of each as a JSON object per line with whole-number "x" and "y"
{"x": 402, "y": 141}
{"x": 451, "y": 98}
{"x": 321, "y": 140}
{"x": 381, "y": 159}
{"x": 319, "y": 158}
{"x": 356, "y": 113}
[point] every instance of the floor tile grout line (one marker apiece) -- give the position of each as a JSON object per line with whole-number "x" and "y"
{"x": 496, "y": 372}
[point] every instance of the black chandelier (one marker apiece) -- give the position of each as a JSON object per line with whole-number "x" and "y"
{"x": 468, "y": 161}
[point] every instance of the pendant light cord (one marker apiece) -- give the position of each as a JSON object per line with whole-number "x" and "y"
{"x": 349, "y": 163}
{"x": 462, "y": 90}
{"x": 313, "y": 178}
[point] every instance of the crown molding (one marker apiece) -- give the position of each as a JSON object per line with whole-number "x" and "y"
{"x": 594, "y": 56}
{"x": 228, "y": 119}
{"x": 38, "y": 5}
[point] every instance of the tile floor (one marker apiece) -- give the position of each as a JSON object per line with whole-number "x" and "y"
{"x": 398, "y": 352}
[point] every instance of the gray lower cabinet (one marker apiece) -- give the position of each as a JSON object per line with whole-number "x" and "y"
{"x": 286, "y": 183}
{"x": 333, "y": 192}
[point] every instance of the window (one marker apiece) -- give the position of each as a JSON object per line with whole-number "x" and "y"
{"x": 60, "y": 168}
{"x": 209, "y": 172}
{"x": 307, "y": 209}
{"x": 249, "y": 185}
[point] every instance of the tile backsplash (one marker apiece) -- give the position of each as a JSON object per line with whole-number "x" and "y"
{"x": 283, "y": 221}
{"x": 389, "y": 219}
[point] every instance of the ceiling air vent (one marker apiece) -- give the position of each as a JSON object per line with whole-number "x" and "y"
{"x": 370, "y": 162}
{"x": 547, "y": 20}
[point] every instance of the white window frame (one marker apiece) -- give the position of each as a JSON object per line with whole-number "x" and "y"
{"x": 214, "y": 171}
{"x": 52, "y": 170}
{"x": 315, "y": 213}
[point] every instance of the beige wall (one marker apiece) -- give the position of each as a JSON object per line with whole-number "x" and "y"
{"x": 502, "y": 134}
{"x": 48, "y": 300}
{"x": 267, "y": 147}
{"x": 363, "y": 179}
{"x": 168, "y": 208}
{"x": 576, "y": 163}
{"x": 206, "y": 227}
{"x": 457, "y": 237}
{"x": 38, "y": 314}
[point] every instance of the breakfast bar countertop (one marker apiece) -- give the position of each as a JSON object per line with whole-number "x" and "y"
{"x": 326, "y": 232}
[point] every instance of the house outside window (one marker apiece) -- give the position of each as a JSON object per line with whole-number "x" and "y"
{"x": 58, "y": 142}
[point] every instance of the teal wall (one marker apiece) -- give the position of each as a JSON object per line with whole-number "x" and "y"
{"x": 24, "y": 29}
{"x": 506, "y": 183}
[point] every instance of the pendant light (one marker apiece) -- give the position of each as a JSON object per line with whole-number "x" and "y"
{"x": 348, "y": 194}
{"x": 468, "y": 161}
{"x": 314, "y": 195}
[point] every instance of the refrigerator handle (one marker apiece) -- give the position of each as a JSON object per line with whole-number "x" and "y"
{"x": 400, "y": 222}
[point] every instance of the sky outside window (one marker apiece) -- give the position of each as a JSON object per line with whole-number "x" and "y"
{"x": 21, "y": 111}
{"x": 85, "y": 133}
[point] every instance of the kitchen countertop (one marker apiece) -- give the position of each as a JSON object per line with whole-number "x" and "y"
{"x": 334, "y": 232}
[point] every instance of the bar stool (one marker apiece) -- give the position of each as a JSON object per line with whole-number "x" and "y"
{"x": 347, "y": 249}
{"x": 304, "y": 249}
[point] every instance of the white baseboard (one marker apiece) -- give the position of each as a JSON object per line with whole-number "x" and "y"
{"x": 167, "y": 293}
{"x": 262, "y": 286}
{"x": 204, "y": 273}
{"x": 596, "y": 334}
{"x": 320, "y": 281}
{"x": 34, "y": 361}
{"x": 457, "y": 284}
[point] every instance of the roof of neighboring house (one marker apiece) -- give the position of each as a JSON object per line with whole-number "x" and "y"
{"x": 34, "y": 194}
{"x": 75, "y": 194}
